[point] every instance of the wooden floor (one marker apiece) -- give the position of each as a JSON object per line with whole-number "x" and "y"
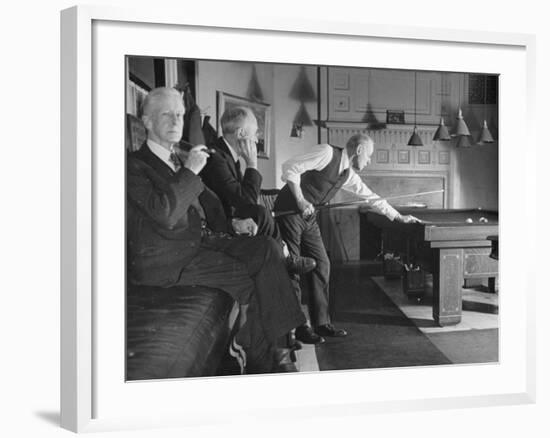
{"x": 389, "y": 330}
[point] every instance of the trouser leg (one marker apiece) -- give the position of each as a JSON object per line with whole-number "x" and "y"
{"x": 304, "y": 238}
{"x": 251, "y": 269}
{"x": 312, "y": 246}
{"x": 292, "y": 227}
{"x": 277, "y": 303}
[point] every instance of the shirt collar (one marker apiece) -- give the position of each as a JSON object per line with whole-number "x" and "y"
{"x": 231, "y": 150}
{"x": 161, "y": 152}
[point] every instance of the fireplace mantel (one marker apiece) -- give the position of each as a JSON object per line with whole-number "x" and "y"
{"x": 391, "y": 151}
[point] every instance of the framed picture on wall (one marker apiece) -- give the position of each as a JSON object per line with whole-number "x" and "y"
{"x": 261, "y": 110}
{"x": 395, "y": 117}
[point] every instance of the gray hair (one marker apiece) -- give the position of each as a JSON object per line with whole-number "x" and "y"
{"x": 154, "y": 95}
{"x": 234, "y": 118}
{"x": 357, "y": 139}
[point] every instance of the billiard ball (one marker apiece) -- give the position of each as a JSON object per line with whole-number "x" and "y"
{"x": 483, "y": 220}
{"x": 469, "y": 220}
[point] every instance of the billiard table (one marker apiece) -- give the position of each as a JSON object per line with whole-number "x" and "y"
{"x": 445, "y": 244}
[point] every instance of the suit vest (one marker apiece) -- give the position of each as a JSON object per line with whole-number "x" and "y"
{"x": 318, "y": 186}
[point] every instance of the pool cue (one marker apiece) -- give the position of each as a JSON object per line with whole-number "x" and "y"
{"x": 359, "y": 201}
{"x": 406, "y": 196}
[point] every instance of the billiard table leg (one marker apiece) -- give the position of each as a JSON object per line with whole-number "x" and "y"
{"x": 447, "y": 286}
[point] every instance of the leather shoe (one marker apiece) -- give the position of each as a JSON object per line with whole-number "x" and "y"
{"x": 330, "y": 331}
{"x": 300, "y": 265}
{"x": 305, "y": 334}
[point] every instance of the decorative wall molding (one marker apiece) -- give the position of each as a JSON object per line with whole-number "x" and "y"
{"x": 370, "y": 92}
{"x": 391, "y": 135}
{"x": 391, "y": 151}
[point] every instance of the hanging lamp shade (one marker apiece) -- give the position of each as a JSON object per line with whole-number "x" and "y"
{"x": 442, "y": 133}
{"x": 461, "y": 127}
{"x": 485, "y": 136}
{"x": 463, "y": 141}
{"x": 415, "y": 139}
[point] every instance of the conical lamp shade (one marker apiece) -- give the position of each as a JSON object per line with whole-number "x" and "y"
{"x": 463, "y": 142}
{"x": 442, "y": 133}
{"x": 415, "y": 139}
{"x": 485, "y": 136}
{"x": 461, "y": 127}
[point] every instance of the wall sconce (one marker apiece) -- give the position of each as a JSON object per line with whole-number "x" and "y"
{"x": 296, "y": 131}
{"x": 302, "y": 91}
{"x": 301, "y": 120}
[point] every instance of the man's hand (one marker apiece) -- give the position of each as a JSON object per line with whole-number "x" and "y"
{"x": 305, "y": 207}
{"x": 249, "y": 151}
{"x": 196, "y": 158}
{"x": 246, "y": 227}
{"x": 408, "y": 219}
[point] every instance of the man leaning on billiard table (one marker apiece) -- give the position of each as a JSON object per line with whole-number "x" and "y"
{"x": 313, "y": 179}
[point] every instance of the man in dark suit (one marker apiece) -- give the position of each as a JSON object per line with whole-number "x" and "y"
{"x": 238, "y": 190}
{"x": 178, "y": 234}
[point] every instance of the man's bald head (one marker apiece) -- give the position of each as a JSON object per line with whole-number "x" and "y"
{"x": 162, "y": 115}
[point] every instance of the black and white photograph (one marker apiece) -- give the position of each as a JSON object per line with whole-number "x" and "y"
{"x": 285, "y": 218}
{"x": 266, "y": 219}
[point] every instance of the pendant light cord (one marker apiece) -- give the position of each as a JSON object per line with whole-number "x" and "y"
{"x": 441, "y": 101}
{"x": 415, "y": 99}
{"x": 484, "y": 98}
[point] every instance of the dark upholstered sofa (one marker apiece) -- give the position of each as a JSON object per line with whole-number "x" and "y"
{"x": 177, "y": 332}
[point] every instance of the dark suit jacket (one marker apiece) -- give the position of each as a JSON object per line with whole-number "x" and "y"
{"x": 163, "y": 223}
{"x": 222, "y": 176}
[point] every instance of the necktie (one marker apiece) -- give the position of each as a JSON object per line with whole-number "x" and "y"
{"x": 239, "y": 173}
{"x": 175, "y": 160}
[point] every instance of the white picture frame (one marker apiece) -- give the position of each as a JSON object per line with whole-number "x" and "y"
{"x": 89, "y": 363}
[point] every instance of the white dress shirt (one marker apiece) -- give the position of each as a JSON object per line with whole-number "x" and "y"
{"x": 318, "y": 159}
{"x": 162, "y": 153}
{"x": 231, "y": 150}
